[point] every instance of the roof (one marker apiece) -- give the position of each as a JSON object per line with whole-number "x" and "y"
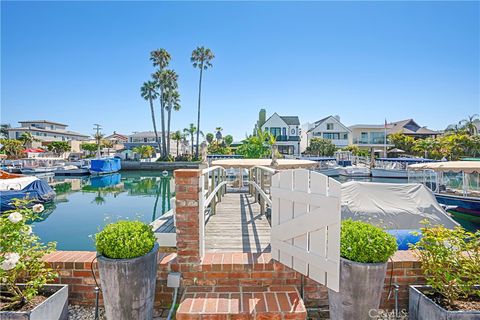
{"x": 408, "y": 126}
{"x": 319, "y": 122}
{"x": 448, "y": 166}
{"x": 368, "y": 126}
{"x": 144, "y": 134}
{"x": 43, "y": 121}
{"x": 291, "y": 120}
{"x": 58, "y": 131}
{"x": 116, "y": 135}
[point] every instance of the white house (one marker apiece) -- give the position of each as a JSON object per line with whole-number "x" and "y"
{"x": 148, "y": 138}
{"x": 286, "y": 130}
{"x": 329, "y": 128}
{"x": 46, "y": 131}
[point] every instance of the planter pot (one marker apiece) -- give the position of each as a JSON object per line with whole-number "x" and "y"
{"x": 421, "y": 307}
{"x": 361, "y": 286}
{"x": 128, "y": 285}
{"x": 55, "y": 307}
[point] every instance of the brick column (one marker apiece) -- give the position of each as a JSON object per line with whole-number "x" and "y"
{"x": 187, "y": 193}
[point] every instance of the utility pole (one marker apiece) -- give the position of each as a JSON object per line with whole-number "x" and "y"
{"x": 98, "y": 137}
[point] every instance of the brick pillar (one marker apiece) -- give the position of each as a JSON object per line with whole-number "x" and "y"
{"x": 187, "y": 194}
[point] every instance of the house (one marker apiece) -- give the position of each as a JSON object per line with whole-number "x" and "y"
{"x": 410, "y": 128}
{"x": 46, "y": 131}
{"x": 286, "y": 130}
{"x": 329, "y": 128}
{"x": 369, "y": 136}
{"x": 148, "y": 138}
{"x": 117, "y": 138}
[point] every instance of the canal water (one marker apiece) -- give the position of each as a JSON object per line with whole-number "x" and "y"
{"x": 83, "y": 206}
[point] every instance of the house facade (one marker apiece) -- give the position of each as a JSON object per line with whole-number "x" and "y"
{"x": 369, "y": 136}
{"x": 148, "y": 138}
{"x": 286, "y": 130}
{"x": 329, "y": 128}
{"x": 46, "y": 131}
{"x": 410, "y": 128}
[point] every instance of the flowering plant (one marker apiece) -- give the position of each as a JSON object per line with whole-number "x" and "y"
{"x": 21, "y": 255}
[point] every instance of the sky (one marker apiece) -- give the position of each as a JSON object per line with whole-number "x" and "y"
{"x": 83, "y": 63}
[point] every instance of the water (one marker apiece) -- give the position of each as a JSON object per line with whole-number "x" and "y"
{"x": 84, "y": 205}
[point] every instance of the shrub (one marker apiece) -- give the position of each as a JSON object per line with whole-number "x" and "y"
{"x": 362, "y": 242}
{"x": 21, "y": 254}
{"x": 450, "y": 261}
{"x": 125, "y": 240}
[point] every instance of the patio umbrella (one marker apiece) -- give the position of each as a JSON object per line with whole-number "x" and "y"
{"x": 396, "y": 150}
{"x": 33, "y": 150}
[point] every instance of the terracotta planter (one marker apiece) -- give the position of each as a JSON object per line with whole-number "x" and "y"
{"x": 55, "y": 307}
{"x": 421, "y": 307}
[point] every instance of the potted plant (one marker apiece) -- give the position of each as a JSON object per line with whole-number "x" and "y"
{"x": 128, "y": 268}
{"x": 450, "y": 261}
{"x": 24, "y": 292}
{"x": 364, "y": 252}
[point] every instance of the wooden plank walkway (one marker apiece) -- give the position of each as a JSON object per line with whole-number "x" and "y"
{"x": 237, "y": 226}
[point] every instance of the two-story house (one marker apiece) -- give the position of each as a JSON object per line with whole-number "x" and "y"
{"x": 286, "y": 130}
{"x": 46, "y": 131}
{"x": 370, "y": 137}
{"x": 329, "y": 128}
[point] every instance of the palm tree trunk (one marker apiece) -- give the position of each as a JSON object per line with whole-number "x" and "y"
{"x": 162, "y": 114}
{"x": 198, "y": 111}
{"x": 169, "y": 116}
{"x": 177, "y": 146}
{"x": 192, "y": 144}
{"x": 152, "y": 111}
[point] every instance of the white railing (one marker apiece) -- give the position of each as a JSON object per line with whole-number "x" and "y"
{"x": 260, "y": 180}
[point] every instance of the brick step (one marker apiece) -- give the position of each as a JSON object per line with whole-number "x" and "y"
{"x": 275, "y": 302}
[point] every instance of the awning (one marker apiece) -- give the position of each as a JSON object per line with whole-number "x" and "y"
{"x": 249, "y": 163}
{"x": 448, "y": 166}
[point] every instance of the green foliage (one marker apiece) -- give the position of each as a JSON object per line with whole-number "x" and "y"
{"x": 58, "y": 147}
{"x": 168, "y": 158}
{"x": 12, "y": 148}
{"x": 258, "y": 146}
{"x": 209, "y": 137}
{"x": 228, "y": 139}
{"x": 362, "y": 242}
{"x": 450, "y": 261}
{"x": 90, "y": 147}
{"x": 402, "y": 141}
{"x": 27, "y": 139}
{"x": 21, "y": 256}
{"x": 321, "y": 147}
{"x": 356, "y": 151}
{"x": 218, "y": 148}
{"x": 125, "y": 240}
{"x": 145, "y": 151}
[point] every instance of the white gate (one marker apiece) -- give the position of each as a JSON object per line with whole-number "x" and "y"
{"x": 305, "y": 232}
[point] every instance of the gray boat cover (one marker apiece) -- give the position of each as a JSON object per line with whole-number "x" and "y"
{"x": 392, "y": 205}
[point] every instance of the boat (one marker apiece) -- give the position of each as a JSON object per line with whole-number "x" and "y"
{"x": 456, "y": 184}
{"x": 326, "y": 165}
{"x": 394, "y": 167}
{"x": 40, "y": 165}
{"x": 104, "y": 166}
{"x": 15, "y": 186}
{"x": 358, "y": 171}
{"x": 71, "y": 170}
{"x": 351, "y": 166}
{"x": 399, "y": 208}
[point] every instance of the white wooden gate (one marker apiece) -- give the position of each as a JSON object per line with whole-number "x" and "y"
{"x": 305, "y": 232}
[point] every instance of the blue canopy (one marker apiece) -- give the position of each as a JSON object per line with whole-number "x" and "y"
{"x": 105, "y": 165}
{"x": 38, "y": 192}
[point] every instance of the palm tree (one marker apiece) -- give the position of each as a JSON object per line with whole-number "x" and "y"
{"x": 469, "y": 124}
{"x": 27, "y": 139}
{"x": 201, "y": 59}
{"x": 177, "y": 136}
{"x": 107, "y": 144}
{"x": 171, "y": 98}
{"x": 148, "y": 93}
{"x": 209, "y": 137}
{"x": 218, "y": 135}
{"x": 191, "y": 131}
{"x": 161, "y": 59}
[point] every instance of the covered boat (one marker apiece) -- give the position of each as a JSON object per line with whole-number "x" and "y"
{"x": 11, "y": 181}
{"x": 395, "y": 167}
{"x": 105, "y": 166}
{"x": 37, "y": 191}
{"x": 397, "y": 207}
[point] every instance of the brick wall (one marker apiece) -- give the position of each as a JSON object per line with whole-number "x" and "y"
{"x": 225, "y": 271}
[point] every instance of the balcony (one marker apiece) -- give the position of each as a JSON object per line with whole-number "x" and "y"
{"x": 288, "y": 138}
{"x": 369, "y": 141}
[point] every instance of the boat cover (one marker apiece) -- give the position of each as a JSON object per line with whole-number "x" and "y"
{"x": 38, "y": 191}
{"x": 105, "y": 165}
{"x": 392, "y": 206}
{"x": 16, "y": 183}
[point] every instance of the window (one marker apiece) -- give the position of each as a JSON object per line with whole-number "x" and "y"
{"x": 284, "y": 131}
{"x": 329, "y": 126}
{"x": 345, "y": 136}
{"x": 275, "y": 131}
{"x": 266, "y": 129}
{"x": 285, "y": 149}
{"x": 292, "y": 132}
{"x": 331, "y": 136}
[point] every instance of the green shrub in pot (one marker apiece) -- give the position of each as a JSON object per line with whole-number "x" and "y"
{"x": 125, "y": 240}
{"x": 363, "y": 242}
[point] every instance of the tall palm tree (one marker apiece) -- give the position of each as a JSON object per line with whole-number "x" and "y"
{"x": 177, "y": 136}
{"x": 161, "y": 59}
{"x": 201, "y": 59}
{"x": 191, "y": 130}
{"x": 148, "y": 93}
{"x": 171, "y": 98}
{"x": 469, "y": 124}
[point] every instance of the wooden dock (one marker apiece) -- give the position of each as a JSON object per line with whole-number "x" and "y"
{"x": 237, "y": 226}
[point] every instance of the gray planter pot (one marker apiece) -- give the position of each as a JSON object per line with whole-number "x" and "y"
{"x": 361, "y": 286}
{"x": 421, "y": 307}
{"x": 54, "y": 308}
{"x": 128, "y": 286}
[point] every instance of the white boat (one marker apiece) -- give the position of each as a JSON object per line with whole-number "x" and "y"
{"x": 41, "y": 165}
{"x": 71, "y": 170}
{"x": 354, "y": 171}
{"x": 14, "y": 181}
{"x": 326, "y": 165}
{"x": 394, "y": 167}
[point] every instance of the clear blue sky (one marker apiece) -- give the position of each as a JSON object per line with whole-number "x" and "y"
{"x": 83, "y": 63}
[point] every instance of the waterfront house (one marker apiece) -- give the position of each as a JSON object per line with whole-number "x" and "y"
{"x": 410, "y": 128}
{"x": 286, "y": 130}
{"x": 369, "y": 136}
{"x": 329, "y": 128}
{"x": 46, "y": 131}
{"x": 148, "y": 138}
